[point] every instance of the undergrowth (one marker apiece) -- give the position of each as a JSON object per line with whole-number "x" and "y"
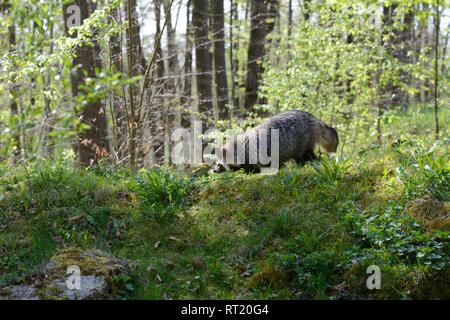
{"x": 306, "y": 232}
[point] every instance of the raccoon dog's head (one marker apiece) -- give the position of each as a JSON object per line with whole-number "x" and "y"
{"x": 220, "y": 167}
{"x": 335, "y": 135}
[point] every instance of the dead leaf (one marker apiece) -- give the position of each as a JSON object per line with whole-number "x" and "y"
{"x": 77, "y": 218}
{"x": 339, "y": 287}
{"x": 198, "y": 263}
{"x": 166, "y": 297}
{"x": 239, "y": 268}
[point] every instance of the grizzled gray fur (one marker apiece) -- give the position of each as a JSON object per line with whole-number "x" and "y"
{"x": 299, "y": 132}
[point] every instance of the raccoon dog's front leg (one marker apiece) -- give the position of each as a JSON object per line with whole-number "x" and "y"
{"x": 309, "y": 155}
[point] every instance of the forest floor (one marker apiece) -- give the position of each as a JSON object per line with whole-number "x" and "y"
{"x": 303, "y": 233}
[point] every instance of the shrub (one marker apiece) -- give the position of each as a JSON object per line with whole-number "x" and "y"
{"x": 331, "y": 170}
{"x": 429, "y": 173}
{"x": 161, "y": 191}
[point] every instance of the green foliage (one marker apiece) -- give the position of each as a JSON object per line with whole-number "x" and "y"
{"x": 39, "y": 201}
{"x": 312, "y": 271}
{"x": 394, "y": 238}
{"x": 163, "y": 193}
{"x": 341, "y": 67}
{"x": 38, "y": 69}
{"x": 16, "y": 265}
{"x": 151, "y": 291}
{"x": 331, "y": 170}
{"x": 289, "y": 235}
{"x": 428, "y": 174}
{"x": 125, "y": 283}
{"x": 294, "y": 234}
{"x": 102, "y": 85}
{"x": 281, "y": 223}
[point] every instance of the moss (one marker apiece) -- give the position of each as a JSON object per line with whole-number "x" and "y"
{"x": 246, "y": 236}
{"x": 5, "y": 292}
{"x": 91, "y": 262}
{"x": 428, "y": 285}
{"x": 49, "y": 292}
{"x": 400, "y": 282}
{"x": 355, "y": 278}
{"x": 431, "y": 213}
{"x": 268, "y": 274}
{"x": 199, "y": 170}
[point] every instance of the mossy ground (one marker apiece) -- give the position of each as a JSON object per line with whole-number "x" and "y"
{"x": 303, "y": 233}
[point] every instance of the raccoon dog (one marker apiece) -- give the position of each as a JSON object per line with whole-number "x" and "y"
{"x": 298, "y": 133}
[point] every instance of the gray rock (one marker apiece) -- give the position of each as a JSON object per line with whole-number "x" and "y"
{"x": 97, "y": 280}
{"x": 20, "y": 292}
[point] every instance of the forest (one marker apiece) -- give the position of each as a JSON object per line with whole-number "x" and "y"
{"x": 112, "y": 118}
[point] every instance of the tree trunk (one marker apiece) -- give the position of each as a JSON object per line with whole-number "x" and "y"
{"x": 348, "y": 84}
{"x": 48, "y": 145}
{"x": 260, "y": 11}
{"x": 91, "y": 144}
{"x": 186, "y": 99}
{"x": 404, "y": 42}
{"x": 429, "y": 43}
{"x": 423, "y": 43}
{"x": 234, "y": 46}
{"x": 170, "y": 88}
{"x": 118, "y": 103}
{"x": 390, "y": 90}
{"x": 436, "y": 68}
{"x": 138, "y": 65}
{"x": 98, "y": 64}
{"x": 289, "y": 31}
{"x": 156, "y": 112}
{"x": 202, "y": 57}
{"x": 172, "y": 67}
{"x": 306, "y": 9}
{"x": 255, "y": 53}
{"x": 220, "y": 69}
{"x": 14, "y": 96}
